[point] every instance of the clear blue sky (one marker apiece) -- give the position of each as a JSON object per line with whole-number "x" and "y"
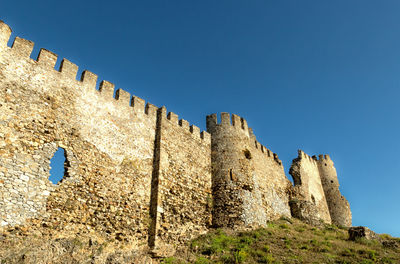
{"x": 322, "y": 76}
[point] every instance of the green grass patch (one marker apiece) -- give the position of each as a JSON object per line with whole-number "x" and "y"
{"x": 288, "y": 242}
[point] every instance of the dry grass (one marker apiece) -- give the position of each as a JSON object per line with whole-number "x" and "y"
{"x": 283, "y": 241}
{"x": 287, "y": 241}
{"x": 63, "y": 248}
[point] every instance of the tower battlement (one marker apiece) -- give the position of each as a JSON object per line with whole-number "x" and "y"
{"x": 233, "y": 123}
{"x": 228, "y": 121}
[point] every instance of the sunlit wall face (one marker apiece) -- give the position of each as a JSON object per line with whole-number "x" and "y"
{"x": 321, "y": 76}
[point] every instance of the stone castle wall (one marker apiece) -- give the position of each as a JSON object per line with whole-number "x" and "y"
{"x": 132, "y": 170}
{"x": 308, "y": 202}
{"x": 316, "y": 196}
{"x": 111, "y": 147}
{"x": 184, "y": 199}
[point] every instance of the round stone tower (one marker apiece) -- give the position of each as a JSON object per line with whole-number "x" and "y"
{"x": 339, "y": 207}
{"x": 248, "y": 180}
{"x": 231, "y": 168}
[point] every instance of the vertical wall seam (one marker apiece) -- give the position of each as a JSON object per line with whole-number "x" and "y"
{"x": 155, "y": 181}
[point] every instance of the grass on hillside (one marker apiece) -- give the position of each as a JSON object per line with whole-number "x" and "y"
{"x": 287, "y": 241}
{"x": 282, "y": 241}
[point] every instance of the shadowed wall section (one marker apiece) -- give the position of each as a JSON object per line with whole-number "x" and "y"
{"x": 182, "y": 208}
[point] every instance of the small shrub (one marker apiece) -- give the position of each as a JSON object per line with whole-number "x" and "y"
{"x": 170, "y": 260}
{"x": 367, "y": 261}
{"x": 240, "y": 256}
{"x": 329, "y": 255}
{"x": 266, "y": 248}
{"x": 246, "y": 240}
{"x": 323, "y": 249}
{"x": 304, "y": 247}
{"x": 385, "y": 236}
{"x": 387, "y": 260}
{"x": 202, "y": 260}
{"x": 347, "y": 253}
{"x": 372, "y": 254}
{"x": 283, "y": 226}
{"x": 341, "y": 261}
{"x": 287, "y": 242}
{"x": 227, "y": 259}
{"x": 287, "y": 219}
{"x": 314, "y": 242}
{"x": 260, "y": 233}
{"x": 264, "y": 232}
{"x": 220, "y": 242}
{"x": 267, "y": 259}
{"x": 331, "y": 228}
{"x": 367, "y": 242}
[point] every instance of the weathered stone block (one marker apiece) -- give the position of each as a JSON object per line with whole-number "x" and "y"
{"x": 357, "y": 232}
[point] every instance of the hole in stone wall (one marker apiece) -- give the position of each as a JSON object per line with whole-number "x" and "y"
{"x": 57, "y": 170}
{"x": 247, "y": 154}
{"x": 312, "y": 199}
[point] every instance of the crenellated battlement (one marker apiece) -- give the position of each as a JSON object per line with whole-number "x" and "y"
{"x": 185, "y": 126}
{"x": 323, "y": 158}
{"x": 268, "y": 153}
{"x": 236, "y": 122}
{"x": 303, "y": 155}
{"x": 47, "y": 60}
{"x": 314, "y": 158}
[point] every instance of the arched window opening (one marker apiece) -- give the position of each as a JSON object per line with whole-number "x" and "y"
{"x": 57, "y": 166}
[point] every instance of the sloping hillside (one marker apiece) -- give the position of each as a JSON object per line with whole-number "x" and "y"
{"x": 282, "y": 241}
{"x": 288, "y": 241}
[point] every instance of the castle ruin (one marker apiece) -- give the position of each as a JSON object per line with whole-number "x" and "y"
{"x": 134, "y": 170}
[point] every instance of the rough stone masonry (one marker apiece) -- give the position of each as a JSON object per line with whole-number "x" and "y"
{"x": 134, "y": 170}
